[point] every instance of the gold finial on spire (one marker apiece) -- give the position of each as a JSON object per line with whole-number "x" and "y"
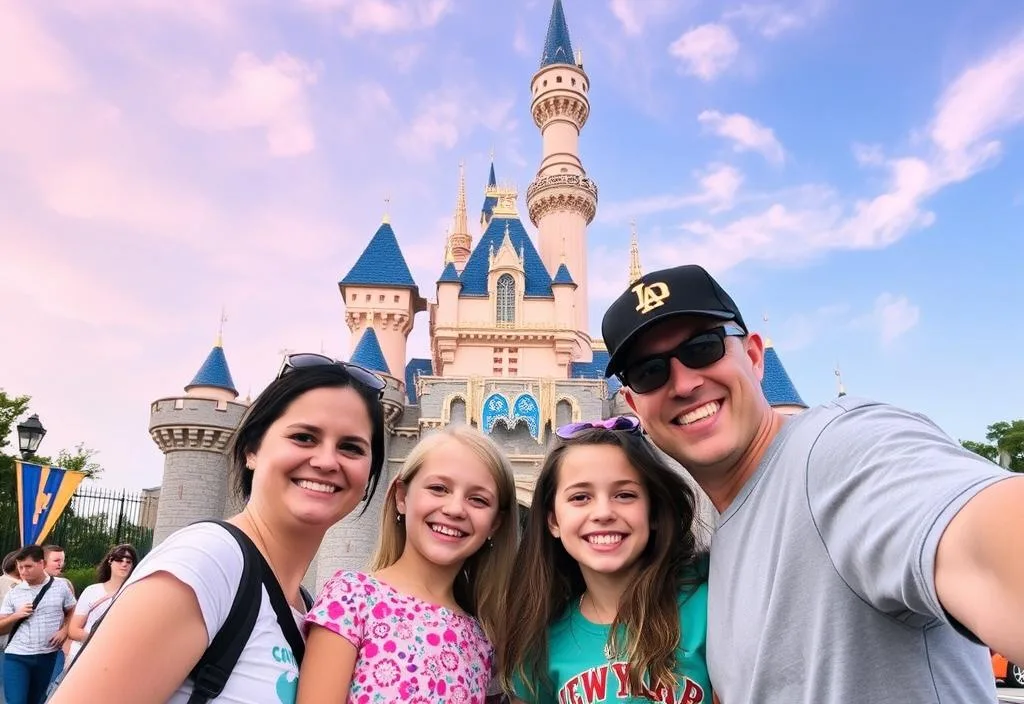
{"x": 387, "y": 211}
{"x": 220, "y": 327}
{"x": 563, "y": 249}
{"x": 635, "y": 272}
{"x": 492, "y": 152}
{"x": 449, "y": 255}
{"x": 767, "y": 337}
{"x": 461, "y": 220}
{"x": 839, "y": 380}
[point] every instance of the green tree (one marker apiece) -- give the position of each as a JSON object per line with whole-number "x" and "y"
{"x": 1004, "y": 438}
{"x": 81, "y": 460}
{"x": 11, "y": 408}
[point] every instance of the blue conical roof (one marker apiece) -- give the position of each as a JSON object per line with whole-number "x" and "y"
{"x": 381, "y": 263}
{"x": 368, "y": 353}
{"x": 557, "y": 47}
{"x": 562, "y": 276}
{"x": 777, "y": 386}
{"x": 489, "y": 201}
{"x": 449, "y": 275}
{"x": 214, "y": 372}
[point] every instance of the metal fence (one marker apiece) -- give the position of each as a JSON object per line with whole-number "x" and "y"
{"x": 95, "y": 520}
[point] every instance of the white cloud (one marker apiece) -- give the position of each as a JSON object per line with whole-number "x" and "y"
{"x": 446, "y": 116}
{"x": 706, "y": 51}
{"x": 520, "y": 40}
{"x": 719, "y": 184}
{"x": 384, "y": 16}
{"x": 634, "y": 15}
{"x": 983, "y": 100}
{"x": 801, "y": 224}
{"x": 745, "y": 133}
{"x": 892, "y": 317}
{"x": 774, "y": 19}
{"x": 269, "y": 95}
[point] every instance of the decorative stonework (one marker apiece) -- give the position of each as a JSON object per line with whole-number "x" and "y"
{"x": 186, "y": 437}
{"x": 549, "y": 194}
{"x": 572, "y": 107}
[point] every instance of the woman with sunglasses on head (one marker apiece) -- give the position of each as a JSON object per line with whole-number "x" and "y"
{"x": 308, "y": 450}
{"x": 609, "y": 587}
{"x": 111, "y": 574}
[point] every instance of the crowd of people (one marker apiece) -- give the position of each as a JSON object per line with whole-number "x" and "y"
{"x": 856, "y": 555}
{"x": 42, "y": 623}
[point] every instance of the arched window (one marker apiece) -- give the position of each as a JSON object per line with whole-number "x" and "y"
{"x": 506, "y": 299}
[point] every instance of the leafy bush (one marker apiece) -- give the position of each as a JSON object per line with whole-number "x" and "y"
{"x": 81, "y": 577}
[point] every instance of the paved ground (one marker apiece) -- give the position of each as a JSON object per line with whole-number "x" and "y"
{"x": 1010, "y": 696}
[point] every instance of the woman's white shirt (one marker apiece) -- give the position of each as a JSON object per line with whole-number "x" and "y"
{"x": 207, "y": 559}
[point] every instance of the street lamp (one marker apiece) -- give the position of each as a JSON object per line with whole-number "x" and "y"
{"x": 30, "y": 434}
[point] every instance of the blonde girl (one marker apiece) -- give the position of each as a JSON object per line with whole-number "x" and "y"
{"x": 419, "y": 626}
{"x": 609, "y": 590}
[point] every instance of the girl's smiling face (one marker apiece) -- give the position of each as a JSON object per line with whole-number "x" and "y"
{"x": 601, "y": 510}
{"x": 450, "y": 505}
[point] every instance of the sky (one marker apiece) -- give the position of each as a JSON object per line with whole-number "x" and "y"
{"x": 853, "y": 173}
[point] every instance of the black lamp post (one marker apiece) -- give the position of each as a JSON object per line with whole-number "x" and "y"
{"x": 30, "y": 434}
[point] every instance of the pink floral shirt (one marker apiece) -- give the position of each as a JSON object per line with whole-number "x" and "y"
{"x": 408, "y": 650}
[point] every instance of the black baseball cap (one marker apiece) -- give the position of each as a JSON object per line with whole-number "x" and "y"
{"x": 658, "y": 296}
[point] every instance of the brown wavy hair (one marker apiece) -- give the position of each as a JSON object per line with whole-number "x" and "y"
{"x": 480, "y": 585}
{"x": 116, "y": 553}
{"x": 548, "y": 580}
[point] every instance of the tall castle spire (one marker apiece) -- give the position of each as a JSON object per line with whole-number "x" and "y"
{"x": 635, "y": 272}
{"x": 460, "y": 242}
{"x": 562, "y": 200}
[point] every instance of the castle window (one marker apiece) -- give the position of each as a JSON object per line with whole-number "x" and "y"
{"x": 558, "y": 79}
{"x": 506, "y": 299}
{"x": 396, "y": 299}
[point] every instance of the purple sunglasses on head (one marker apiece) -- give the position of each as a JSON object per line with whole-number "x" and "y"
{"x": 626, "y": 423}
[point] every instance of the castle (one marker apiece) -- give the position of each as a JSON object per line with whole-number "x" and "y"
{"x": 510, "y": 349}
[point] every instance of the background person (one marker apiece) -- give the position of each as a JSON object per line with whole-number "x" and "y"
{"x": 32, "y": 649}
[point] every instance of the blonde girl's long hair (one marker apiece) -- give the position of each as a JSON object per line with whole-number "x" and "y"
{"x": 480, "y": 585}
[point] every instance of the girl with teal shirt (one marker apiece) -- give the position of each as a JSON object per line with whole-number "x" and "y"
{"x": 608, "y": 602}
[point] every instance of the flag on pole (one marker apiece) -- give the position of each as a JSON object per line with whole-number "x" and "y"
{"x": 43, "y": 494}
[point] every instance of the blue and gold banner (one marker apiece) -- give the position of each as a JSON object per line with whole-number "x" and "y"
{"x": 43, "y": 494}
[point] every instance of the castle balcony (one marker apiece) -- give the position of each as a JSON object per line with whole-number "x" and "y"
{"x": 562, "y": 192}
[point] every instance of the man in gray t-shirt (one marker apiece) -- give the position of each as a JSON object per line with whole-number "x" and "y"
{"x": 860, "y": 556}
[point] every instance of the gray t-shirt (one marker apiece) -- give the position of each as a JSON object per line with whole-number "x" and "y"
{"x": 822, "y": 583}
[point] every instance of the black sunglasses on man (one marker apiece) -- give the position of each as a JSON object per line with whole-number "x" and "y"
{"x": 702, "y": 350}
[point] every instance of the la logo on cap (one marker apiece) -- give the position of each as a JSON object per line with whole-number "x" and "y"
{"x": 650, "y": 296}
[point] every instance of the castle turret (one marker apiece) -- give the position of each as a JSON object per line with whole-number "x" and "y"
{"x": 563, "y": 287}
{"x": 193, "y": 431}
{"x": 490, "y": 199}
{"x": 777, "y": 386}
{"x": 562, "y": 199}
{"x": 460, "y": 242}
{"x": 379, "y": 292}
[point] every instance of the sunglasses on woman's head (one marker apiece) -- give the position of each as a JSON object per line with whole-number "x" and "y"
{"x": 625, "y": 423}
{"x": 305, "y": 360}
{"x": 701, "y": 350}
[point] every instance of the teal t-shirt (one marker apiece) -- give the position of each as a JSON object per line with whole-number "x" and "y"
{"x": 581, "y": 673}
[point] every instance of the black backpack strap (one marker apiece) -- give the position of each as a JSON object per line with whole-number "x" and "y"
{"x": 307, "y": 598}
{"x": 285, "y": 618}
{"x": 214, "y": 668}
{"x": 35, "y": 605}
